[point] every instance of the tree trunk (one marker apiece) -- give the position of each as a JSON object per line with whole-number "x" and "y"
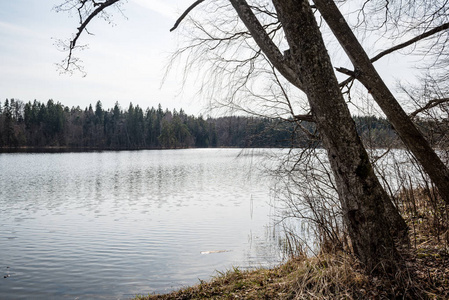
{"x": 359, "y": 190}
{"x": 368, "y": 76}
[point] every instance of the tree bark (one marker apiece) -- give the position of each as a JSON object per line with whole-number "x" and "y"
{"x": 359, "y": 190}
{"x": 266, "y": 44}
{"x": 368, "y": 76}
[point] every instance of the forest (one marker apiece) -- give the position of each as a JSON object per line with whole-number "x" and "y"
{"x": 42, "y": 125}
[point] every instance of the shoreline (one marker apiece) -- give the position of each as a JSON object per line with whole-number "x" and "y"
{"x": 338, "y": 275}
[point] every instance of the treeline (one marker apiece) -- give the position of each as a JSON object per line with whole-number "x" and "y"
{"x": 41, "y": 125}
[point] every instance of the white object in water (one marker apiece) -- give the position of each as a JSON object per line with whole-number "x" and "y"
{"x": 214, "y": 251}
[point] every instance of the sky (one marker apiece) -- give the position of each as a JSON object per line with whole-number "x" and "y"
{"x": 124, "y": 62}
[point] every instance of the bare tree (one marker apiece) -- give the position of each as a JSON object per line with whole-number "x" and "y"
{"x": 367, "y": 210}
{"x": 365, "y": 72}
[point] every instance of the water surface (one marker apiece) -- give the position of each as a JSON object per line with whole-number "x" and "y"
{"x": 110, "y": 225}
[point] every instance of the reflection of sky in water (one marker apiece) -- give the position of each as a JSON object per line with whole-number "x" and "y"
{"x": 113, "y": 224}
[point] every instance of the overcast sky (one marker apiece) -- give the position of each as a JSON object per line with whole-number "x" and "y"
{"x": 125, "y": 62}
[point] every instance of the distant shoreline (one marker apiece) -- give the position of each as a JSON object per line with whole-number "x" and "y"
{"x": 64, "y": 149}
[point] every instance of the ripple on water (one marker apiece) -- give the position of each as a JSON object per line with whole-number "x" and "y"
{"x": 114, "y": 224}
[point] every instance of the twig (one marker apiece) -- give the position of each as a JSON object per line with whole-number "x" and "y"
{"x": 83, "y": 25}
{"x": 186, "y": 12}
{"x": 411, "y": 41}
{"x": 430, "y": 104}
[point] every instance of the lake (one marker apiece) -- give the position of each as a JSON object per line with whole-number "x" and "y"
{"x": 111, "y": 225}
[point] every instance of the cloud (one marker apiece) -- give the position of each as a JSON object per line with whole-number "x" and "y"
{"x": 160, "y": 7}
{"x": 8, "y": 30}
{"x": 14, "y": 29}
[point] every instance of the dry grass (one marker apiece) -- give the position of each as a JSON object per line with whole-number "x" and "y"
{"x": 338, "y": 275}
{"x": 325, "y": 277}
{"x": 428, "y": 251}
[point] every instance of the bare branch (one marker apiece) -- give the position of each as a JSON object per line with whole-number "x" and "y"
{"x": 306, "y": 118}
{"x": 186, "y": 12}
{"x": 100, "y": 7}
{"x": 392, "y": 49}
{"x": 264, "y": 41}
{"x": 429, "y": 105}
{"x": 426, "y": 34}
{"x": 352, "y": 74}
